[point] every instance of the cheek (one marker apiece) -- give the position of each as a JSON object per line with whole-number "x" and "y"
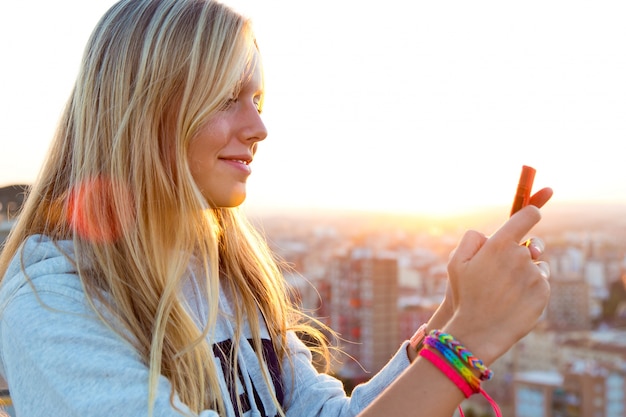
{"x": 205, "y": 147}
{"x": 211, "y": 137}
{"x": 198, "y": 158}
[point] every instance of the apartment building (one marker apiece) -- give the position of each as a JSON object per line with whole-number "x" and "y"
{"x": 364, "y": 310}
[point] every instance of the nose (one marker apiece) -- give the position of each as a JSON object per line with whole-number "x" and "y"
{"x": 254, "y": 130}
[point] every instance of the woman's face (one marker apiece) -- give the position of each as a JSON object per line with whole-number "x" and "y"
{"x": 221, "y": 152}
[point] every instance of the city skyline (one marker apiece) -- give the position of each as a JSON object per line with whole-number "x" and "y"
{"x": 572, "y": 363}
{"x": 350, "y": 270}
{"x": 412, "y": 107}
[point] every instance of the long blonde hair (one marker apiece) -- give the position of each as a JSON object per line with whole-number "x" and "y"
{"x": 117, "y": 182}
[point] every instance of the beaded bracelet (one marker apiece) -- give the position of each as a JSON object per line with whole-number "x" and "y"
{"x": 462, "y": 352}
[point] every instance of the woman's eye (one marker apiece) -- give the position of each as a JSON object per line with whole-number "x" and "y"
{"x": 258, "y": 103}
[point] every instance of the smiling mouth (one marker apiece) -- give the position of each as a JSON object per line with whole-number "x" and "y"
{"x": 238, "y": 161}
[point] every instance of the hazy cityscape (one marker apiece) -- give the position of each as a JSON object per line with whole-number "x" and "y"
{"x": 374, "y": 278}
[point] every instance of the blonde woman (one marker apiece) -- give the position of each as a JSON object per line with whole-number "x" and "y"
{"x": 133, "y": 286}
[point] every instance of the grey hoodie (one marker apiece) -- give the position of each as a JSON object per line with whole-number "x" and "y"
{"x": 60, "y": 359}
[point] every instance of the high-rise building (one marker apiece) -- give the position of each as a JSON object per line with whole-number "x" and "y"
{"x": 364, "y": 310}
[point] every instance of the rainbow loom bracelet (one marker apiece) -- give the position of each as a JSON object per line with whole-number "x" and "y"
{"x": 456, "y": 362}
{"x": 448, "y": 371}
{"x": 463, "y": 353}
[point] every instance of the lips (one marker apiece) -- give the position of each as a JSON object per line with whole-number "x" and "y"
{"x": 241, "y": 159}
{"x": 239, "y": 162}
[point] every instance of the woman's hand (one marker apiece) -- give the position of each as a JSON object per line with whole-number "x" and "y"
{"x": 535, "y": 246}
{"x": 499, "y": 287}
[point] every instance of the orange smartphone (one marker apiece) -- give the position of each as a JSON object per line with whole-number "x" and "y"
{"x": 524, "y": 187}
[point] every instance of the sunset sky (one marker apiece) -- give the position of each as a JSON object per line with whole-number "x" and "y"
{"x": 421, "y": 106}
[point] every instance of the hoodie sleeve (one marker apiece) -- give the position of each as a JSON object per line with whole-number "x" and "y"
{"x": 313, "y": 394}
{"x": 60, "y": 359}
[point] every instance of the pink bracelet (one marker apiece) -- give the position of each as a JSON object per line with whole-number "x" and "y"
{"x": 448, "y": 371}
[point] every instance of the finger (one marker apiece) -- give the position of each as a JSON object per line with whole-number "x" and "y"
{"x": 535, "y": 246}
{"x": 544, "y": 269}
{"x": 518, "y": 225}
{"x": 470, "y": 243}
{"x": 541, "y": 197}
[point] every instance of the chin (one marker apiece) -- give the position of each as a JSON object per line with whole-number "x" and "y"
{"x": 231, "y": 201}
{"x": 236, "y": 203}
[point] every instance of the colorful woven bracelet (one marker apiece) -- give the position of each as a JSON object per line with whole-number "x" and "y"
{"x": 464, "y": 378}
{"x": 472, "y": 380}
{"x": 448, "y": 371}
{"x": 462, "y": 352}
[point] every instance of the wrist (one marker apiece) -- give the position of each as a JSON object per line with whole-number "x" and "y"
{"x": 484, "y": 344}
{"x": 461, "y": 367}
{"x": 442, "y": 315}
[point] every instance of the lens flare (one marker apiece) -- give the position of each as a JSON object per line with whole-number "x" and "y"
{"x": 100, "y": 209}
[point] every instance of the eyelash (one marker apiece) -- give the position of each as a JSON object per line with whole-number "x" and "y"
{"x": 229, "y": 102}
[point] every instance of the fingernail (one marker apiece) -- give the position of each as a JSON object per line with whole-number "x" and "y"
{"x": 537, "y": 244}
{"x": 544, "y": 269}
